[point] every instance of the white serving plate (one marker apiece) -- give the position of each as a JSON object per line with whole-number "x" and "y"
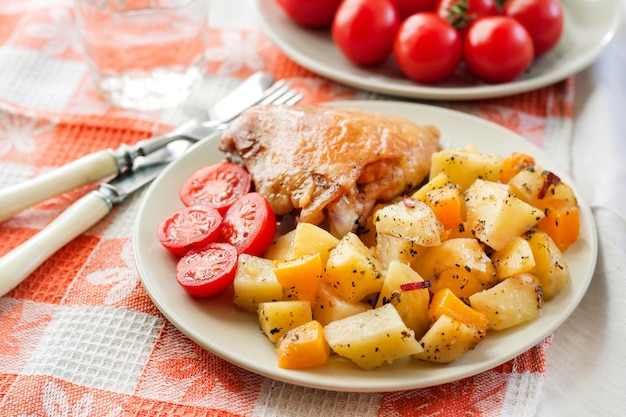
{"x": 235, "y": 336}
{"x": 589, "y": 26}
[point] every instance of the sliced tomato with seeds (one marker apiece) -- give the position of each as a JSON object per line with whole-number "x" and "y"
{"x": 189, "y": 228}
{"x": 217, "y": 185}
{"x": 209, "y": 271}
{"x": 249, "y": 224}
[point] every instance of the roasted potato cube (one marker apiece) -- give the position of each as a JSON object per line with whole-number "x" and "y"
{"x": 516, "y": 300}
{"x": 372, "y": 338}
{"x": 447, "y": 340}
{"x": 459, "y": 264}
{"x": 495, "y": 216}
{"x": 550, "y": 266}
{"x": 409, "y": 219}
{"x": 277, "y": 317}
{"x": 255, "y": 282}
{"x": 353, "y": 270}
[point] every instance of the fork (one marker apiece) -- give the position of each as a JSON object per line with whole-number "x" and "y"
{"x": 100, "y": 165}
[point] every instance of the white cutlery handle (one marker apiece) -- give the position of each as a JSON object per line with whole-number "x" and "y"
{"x": 16, "y": 265}
{"x": 81, "y": 172}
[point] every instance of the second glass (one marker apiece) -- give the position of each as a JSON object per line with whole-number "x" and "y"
{"x": 144, "y": 54}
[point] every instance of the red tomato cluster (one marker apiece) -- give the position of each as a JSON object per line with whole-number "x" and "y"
{"x": 497, "y": 39}
{"x": 221, "y": 219}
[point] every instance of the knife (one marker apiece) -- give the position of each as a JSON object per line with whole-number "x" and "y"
{"x": 18, "y": 264}
{"x": 104, "y": 164}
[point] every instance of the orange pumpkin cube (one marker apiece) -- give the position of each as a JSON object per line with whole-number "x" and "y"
{"x": 444, "y": 302}
{"x": 303, "y": 347}
{"x": 561, "y": 222}
{"x": 447, "y": 204}
{"x": 301, "y": 276}
{"x": 513, "y": 164}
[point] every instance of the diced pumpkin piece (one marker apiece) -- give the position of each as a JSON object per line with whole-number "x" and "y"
{"x": 562, "y": 222}
{"x": 412, "y": 305}
{"x": 464, "y": 166}
{"x": 459, "y": 264}
{"x": 438, "y": 181}
{"x": 300, "y": 277}
{"x": 518, "y": 299}
{"x": 303, "y": 347}
{"x": 495, "y": 216}
{"x": 255, "y": 282}
{"x": 278, "y": 317}
{"x": 515, "y": 258}
{"x": 330, "y": 307}
{"x": 537, "y": 186}
{"x": 448, "y": 339}
{"x": 515, "y": 163}
{"x": 372, "y": 338}
{"x": 550, "y": 266}
{"x": 445, "y": 302}
{"x": 409, "y": 219}
{"x": 353, "y": 270}
{"x": 447, "y": 204}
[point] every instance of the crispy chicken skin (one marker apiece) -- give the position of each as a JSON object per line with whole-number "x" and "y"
{"x": 326, "y": 163}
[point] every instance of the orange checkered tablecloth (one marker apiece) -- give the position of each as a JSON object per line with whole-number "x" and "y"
{"x": 81, "y": 337}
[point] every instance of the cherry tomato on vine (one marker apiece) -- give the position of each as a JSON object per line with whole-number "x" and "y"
{"x": 497, "y": 49}
{"x": 249, "y": 224}
{"x": 209, "y": 271}
{"x": 217, "y": 185}
{"x": 189, "y": 228}
{"x": 407, "y": 8}
{"x": 364, "y": 30}
{"x": 313, "y": 14}
{"x": 427, "y": 49}
{"x": 543, "y": 19}
{"x": 460, "y": 13}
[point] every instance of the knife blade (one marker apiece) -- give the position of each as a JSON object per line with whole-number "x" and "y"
{"x": 18, "y": 264}
{"x": 106, "y": 163}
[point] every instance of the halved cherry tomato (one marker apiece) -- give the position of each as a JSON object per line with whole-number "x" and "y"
{"x": 543, "y": 19}
{"x": 217, "y": 185}
{"x": 189, "y": 228}
{"x": 249, "y": 224}
{"x": 363, "y": 30}
{"x": 314, "y": 14}
{"x": 427, "y": 49}
{"x": 207, "y": 272}
{"x": 498, "y": 49}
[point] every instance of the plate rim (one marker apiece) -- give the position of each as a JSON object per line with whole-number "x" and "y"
{"x": 303, "y": 377}
{"x": 378, "y": 84}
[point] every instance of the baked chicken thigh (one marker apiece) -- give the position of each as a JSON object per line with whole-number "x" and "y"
{"x": 323, "y": 163}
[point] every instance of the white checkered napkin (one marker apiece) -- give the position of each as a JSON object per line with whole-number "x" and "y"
{"x": 23, "y": 83}
{"x": 97, "y": 347}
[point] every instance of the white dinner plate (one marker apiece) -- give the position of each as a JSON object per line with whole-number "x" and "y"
{"x": 589, "y": 26}
{"x": 216, "y": 325}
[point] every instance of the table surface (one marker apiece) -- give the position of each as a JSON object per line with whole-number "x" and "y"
{"x": 58, "y": 351}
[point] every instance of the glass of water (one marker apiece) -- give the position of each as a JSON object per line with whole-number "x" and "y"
{"x": 144, "y": 54}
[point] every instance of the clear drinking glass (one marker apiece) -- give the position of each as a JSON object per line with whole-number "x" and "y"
{"x": 144, "y": 54}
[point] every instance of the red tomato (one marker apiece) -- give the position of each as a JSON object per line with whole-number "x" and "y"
{"x": 498, "y": 49}
{"x": 427, "y": 49}
{"x": 543, "y": 19}
{"x": 189, "y": 228}
{"x": 209, "y": 271}
{"x": 249, "y": 224}
{"x": 314, "y": 14}
{"x": 460, "y": 13}
{"x": 408, "y": 7}
{"x": 217, "y": 185}
{"x": 364, "y": 30}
